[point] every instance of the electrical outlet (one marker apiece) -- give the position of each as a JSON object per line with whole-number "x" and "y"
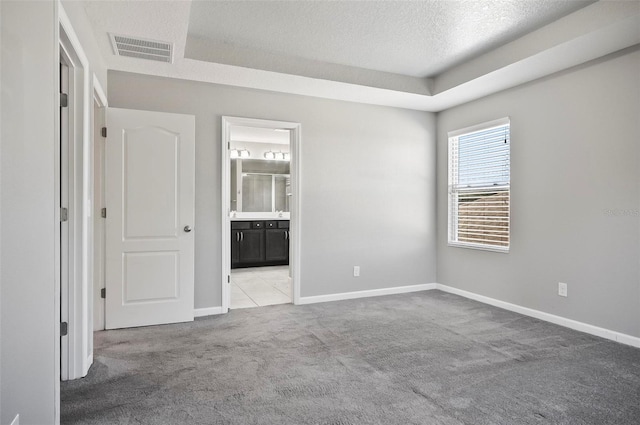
{"x": 562, "y": 289}
{"x": 356, "y": 271}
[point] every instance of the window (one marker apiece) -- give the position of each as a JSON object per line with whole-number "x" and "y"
{"x": 479, "y": 186}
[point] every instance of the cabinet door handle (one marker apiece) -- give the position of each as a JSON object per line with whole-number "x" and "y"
{"x": 287, "y": 232}
{"x": 284, "y": 234}
{"x": 241, "y": 236}
{"x": 237, "y": 236}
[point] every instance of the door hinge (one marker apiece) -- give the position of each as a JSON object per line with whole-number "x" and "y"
{"x": 64, "y": 214}
{"x": 103, "y": 132}
{"x": 64, "y": 100}
{"x": 103, "y": 293}
{"x": 103, "y": 213}
{"x": 228, "y": 145}
{"x": 64, "y": 328}
{"x": 228, "y": 279}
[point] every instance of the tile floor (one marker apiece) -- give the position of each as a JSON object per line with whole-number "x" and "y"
{"x": 260, "y": 286}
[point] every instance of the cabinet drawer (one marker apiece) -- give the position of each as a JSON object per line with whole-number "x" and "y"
{"x": 283, "y": 224}
{"x": 257, "y": 224}
{"x": 240, "y": 225}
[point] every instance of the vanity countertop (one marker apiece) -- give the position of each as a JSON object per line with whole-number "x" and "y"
{"x": 256, "y": 217}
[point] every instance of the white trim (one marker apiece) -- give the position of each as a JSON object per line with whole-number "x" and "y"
{"x": 71, "y": 34}
{"x": 295, "y": 148}
{"x": 97, "y": 201}
{"x": 65, "y": 172}
{"x": 481, "y": 126}
{"x": 56, "y": 226}
{"x": 547, "y": 317}
{"x": 208, "y": 311}
{"x": 98, "y": 92}
{"x": 295, "y": 216}
{"x": 367, "y": 293}
{"x": 627, "y": 339}
{"x": 16, "y": 420}
{"x": 80, "y": 302}
{"x": 479, "y": 247}
{"x": 225, "y": 188}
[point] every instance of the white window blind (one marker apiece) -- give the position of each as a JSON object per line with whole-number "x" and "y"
{"x": 479, "y": 186}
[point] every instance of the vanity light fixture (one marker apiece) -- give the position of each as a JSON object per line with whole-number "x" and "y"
{"x": 239, "y": 153}
{"x": 278, "y": 156}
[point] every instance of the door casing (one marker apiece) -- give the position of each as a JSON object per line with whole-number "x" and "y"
{"x": 295, "y": 132}
{"x": 76, "y": 292}
{"x": 98, "y": 121}
{"x": 66, "y": 123}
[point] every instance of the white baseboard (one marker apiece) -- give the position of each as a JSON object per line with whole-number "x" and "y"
{"x": 547, "y": 317}
{"x": 209, "y": 311}
{"x": 367, "y": 293}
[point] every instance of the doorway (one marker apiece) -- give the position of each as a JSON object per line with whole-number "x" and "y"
{"x": 260, "y": 212}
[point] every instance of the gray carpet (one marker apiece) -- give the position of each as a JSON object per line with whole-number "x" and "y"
{"x": 422, "y": 358}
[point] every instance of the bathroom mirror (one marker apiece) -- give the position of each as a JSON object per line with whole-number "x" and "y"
{"x": 260, "y": 185}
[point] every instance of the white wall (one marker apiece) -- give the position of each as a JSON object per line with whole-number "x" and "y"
{"x": 575, "y": 207}
{"x": 27, "y": 278}
{"x": 368, "y": 182}
{"x": 29, "y": 320}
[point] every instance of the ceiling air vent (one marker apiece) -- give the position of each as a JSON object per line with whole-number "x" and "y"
{"x": 142, "y": 49}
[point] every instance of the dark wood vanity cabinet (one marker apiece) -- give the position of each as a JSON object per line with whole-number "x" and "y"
{"x": 249, "y": 246}
{"x": 277, "y": 241}
{"x": 259, "y": 243}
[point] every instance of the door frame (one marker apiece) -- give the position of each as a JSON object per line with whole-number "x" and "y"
{"x": 63, "y": 198}
{"x": 295, "y": 213}
{"x": 77, "y": 305}
{"x": 98, "y": 121}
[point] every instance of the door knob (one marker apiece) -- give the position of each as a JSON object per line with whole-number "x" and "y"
{"x": 187, "y": 229}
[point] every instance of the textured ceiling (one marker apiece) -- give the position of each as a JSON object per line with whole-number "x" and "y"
{"x": 367, "y": 51}
{"x": 149, "y": 19}
{"x": 413, "y": 38}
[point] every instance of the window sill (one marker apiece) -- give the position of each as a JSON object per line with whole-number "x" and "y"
{"x": 501, "y": 250}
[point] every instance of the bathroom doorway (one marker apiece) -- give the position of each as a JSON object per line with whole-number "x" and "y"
{"x": 260, "y": 217}
{"x": 260, "y": 286}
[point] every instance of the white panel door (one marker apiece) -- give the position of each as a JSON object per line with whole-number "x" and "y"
{"x": 150, "y": 185}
